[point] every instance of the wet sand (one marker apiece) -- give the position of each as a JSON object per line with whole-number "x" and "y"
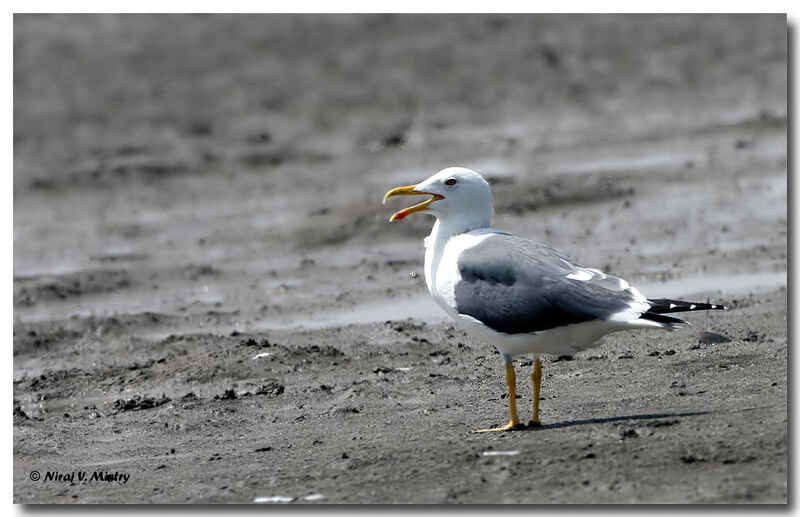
{"x": 208, "y": 296}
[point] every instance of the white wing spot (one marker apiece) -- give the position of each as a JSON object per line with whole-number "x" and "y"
{"x": 672, "y": 306}
{"x": 692, "y": 306}
{"x": 582, "y": 275}
{"x": 596, "y": 272}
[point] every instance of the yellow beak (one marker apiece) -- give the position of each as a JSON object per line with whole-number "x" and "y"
{"x": 410, "y": 190}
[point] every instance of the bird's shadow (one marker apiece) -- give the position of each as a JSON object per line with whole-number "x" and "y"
{"x": 571, "y": 423}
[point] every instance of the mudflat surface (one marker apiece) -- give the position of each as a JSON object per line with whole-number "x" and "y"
{"x": 211, "y": 306}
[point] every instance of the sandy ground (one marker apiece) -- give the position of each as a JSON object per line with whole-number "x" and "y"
{"x": 211, "y": 306}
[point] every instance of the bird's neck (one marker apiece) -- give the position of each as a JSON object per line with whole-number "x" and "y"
{"x": 448, "y": 226}
{"x": 443, "y": 230}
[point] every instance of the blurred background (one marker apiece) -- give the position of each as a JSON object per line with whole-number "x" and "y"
{"x": 146, "y": 144}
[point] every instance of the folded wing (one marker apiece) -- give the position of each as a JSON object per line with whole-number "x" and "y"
{"x": 515, "y": 286}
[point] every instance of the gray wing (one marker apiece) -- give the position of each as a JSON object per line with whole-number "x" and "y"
{"x": 515, "y": 286}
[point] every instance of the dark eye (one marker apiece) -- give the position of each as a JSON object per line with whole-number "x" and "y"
{"x": 450, "y": 182}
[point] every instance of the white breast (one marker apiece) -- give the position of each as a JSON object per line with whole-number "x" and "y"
{"x": 441, "y": 265}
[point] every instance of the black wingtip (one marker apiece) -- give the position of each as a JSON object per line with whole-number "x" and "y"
{"x": 663, "y": 305}
{"x": 664, "y": 320}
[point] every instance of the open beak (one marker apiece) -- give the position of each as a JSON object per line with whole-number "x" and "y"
{"x": 410, "y": 190}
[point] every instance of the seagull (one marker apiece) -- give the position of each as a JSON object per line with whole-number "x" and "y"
{"x": 519, "y": 295}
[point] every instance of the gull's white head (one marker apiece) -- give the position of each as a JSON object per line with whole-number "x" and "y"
{"x": 457, "y": 194}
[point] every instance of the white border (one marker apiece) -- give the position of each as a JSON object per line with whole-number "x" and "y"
{"x": 301, "y": 6}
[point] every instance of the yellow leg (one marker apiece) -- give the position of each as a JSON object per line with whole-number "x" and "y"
{"x": 536, "y": 379}
{"x": 511, "y": 381}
